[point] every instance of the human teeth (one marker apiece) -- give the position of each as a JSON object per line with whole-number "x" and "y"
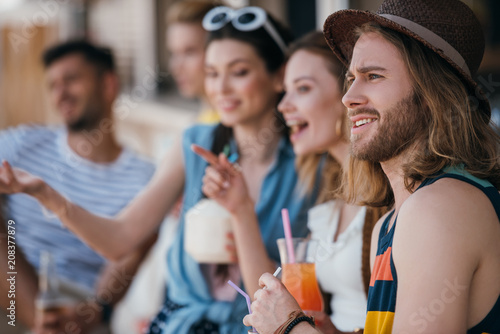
{"x": 227, "y": 105}
{"x": 364, "y": 121}
{"x": 293, "y": 122}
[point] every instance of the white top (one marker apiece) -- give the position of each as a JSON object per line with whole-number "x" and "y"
{"x": 338, "y": 264}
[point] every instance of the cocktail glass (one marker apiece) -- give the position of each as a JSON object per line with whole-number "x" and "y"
{"x": 299, "y": 277}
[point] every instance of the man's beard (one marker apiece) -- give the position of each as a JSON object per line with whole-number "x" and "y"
{"x": 89, "y": 119}
{"x": 400, "y": 127}
{"x": 86, "y": 122}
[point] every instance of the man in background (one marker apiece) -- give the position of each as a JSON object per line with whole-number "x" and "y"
{"x": 83, "y": 161}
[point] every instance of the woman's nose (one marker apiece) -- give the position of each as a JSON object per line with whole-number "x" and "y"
{"x": 285, "y": 104}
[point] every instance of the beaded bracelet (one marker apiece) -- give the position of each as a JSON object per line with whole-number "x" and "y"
{"x": 294, "y": 316}
{"x": 297, "y": 321}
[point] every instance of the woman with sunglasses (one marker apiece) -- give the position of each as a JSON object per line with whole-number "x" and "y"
{"x": 244, "y": 68}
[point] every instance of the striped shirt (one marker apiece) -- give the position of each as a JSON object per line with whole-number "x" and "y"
{"x": 103, "y": 189}
{"x": 383, "y": 285}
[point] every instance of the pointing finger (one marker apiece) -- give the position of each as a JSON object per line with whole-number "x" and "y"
{"x": 205, "y": 154}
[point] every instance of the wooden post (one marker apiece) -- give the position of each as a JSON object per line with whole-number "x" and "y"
{"x": 22, "y": 86}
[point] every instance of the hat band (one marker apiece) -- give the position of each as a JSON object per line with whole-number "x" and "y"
{"x": 432, "y": 39}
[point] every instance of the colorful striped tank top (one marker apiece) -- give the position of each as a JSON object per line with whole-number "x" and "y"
{"x": 383, "y": 284}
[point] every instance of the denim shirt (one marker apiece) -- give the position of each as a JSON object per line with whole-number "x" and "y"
{"x": 187, "y": 286}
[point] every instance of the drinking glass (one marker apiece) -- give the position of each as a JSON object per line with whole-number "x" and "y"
{"x": 299, "y": 277}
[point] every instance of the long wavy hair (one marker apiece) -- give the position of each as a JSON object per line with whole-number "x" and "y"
{"x": 456, "y": 132}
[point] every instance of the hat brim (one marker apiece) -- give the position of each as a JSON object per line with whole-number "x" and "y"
{"x": 339, "y": 31}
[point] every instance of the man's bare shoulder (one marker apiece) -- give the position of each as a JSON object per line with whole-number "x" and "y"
{"x": 449, "y": 215}
{"x": 450, "y": 201}
{"x": 447, "y": 232}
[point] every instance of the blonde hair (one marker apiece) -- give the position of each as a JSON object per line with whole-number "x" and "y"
{"x": 189, "y": 11}
{"x": 456, "y": 132}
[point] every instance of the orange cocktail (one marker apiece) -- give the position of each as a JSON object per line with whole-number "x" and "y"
{"x": 300, "y": 281}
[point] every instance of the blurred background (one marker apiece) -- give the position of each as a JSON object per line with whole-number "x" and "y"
{"x": 148, "y": 118}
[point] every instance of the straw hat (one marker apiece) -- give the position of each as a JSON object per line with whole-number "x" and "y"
{"x": 448, "y": 27}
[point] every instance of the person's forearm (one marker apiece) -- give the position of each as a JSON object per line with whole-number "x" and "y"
{"x": 25, "y": 284}
{"x": 252, "y": 254}
{"x": 104, "y": 235}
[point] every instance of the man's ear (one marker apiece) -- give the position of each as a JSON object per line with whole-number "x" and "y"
{"x": 111, "y": 86}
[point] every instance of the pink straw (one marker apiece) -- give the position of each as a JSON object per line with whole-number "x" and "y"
{"x": 288, "y": 235}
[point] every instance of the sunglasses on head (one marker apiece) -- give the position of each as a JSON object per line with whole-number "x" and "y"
{"x": 243, "y": 19}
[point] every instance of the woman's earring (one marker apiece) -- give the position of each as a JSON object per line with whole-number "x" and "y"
{"x": 338, "y": 127}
